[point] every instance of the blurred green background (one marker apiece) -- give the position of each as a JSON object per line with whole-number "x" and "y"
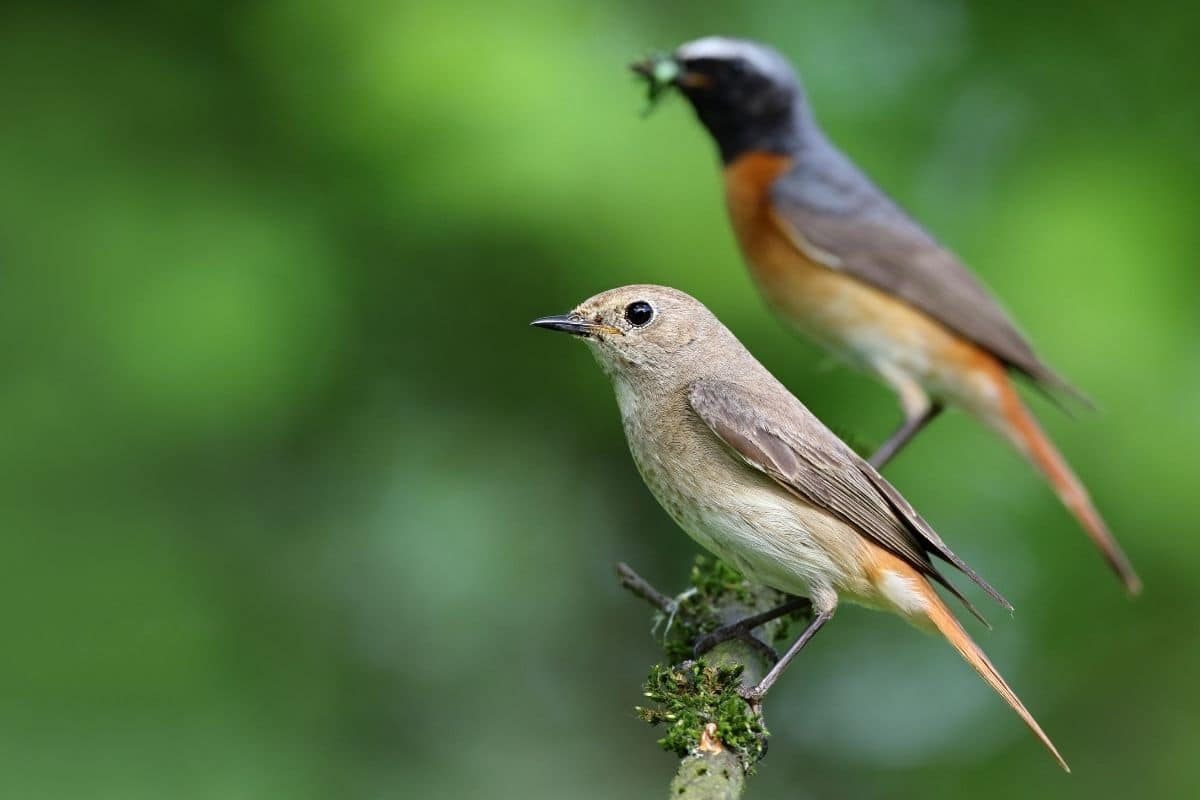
{"x": 297, "y": 506}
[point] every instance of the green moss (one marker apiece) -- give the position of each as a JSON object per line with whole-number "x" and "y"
{"x": 713, "y": 584}
{"x": 689, "y": 697}
{"x": 715, "y": 580}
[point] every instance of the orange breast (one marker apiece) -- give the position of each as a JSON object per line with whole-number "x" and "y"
{"x": 862, "y": 324}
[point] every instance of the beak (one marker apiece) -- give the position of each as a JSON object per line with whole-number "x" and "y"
{"x": 661, "y": 72}
{"x": 660, "y": 69}
{"x": 573, "y": 324}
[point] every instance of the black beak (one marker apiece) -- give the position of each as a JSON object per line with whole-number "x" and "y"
{"x": 567, "y": 323}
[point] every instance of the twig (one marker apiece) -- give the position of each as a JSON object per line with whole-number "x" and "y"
{"x": 642, "y": 588}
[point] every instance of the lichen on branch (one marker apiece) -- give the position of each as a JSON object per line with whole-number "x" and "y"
{"x": 700, "y": 704}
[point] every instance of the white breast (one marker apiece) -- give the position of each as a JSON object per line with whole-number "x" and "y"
{"x": 777, "y": 540}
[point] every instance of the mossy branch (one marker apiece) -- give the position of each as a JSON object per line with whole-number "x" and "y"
{"x": 718, "y": 735}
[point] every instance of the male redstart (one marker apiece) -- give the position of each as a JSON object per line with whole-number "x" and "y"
{"x": 749, "y": 473}
{"x": 842, "y": 263}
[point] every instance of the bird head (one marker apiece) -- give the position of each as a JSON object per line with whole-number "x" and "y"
{"x": 744, "y": 92}
{"x": 644, "y": 333}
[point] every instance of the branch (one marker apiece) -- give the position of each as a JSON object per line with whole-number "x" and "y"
{"x": 718, "y": 735}
{"x": 713, "y": 773}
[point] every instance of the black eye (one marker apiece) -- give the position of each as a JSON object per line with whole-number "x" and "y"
{"x": 639, "y": 313}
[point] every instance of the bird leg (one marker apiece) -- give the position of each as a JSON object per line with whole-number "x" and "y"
{"x": 910, "y": 428}
{"x": 742, "y": 627}
{"x": 754, "y": 696}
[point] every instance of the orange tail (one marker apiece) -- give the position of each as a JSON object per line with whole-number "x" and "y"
{"x": 948, "y": 626}
{"x": 1027, "y": 436}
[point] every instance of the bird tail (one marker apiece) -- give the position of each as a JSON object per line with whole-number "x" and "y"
{"x": 1019, "y": 427}
{"x": 940, "y": 616}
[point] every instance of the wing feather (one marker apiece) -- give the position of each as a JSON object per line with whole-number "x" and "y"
{"x": 800, "y": 454}
{"x": 826, "y": 205}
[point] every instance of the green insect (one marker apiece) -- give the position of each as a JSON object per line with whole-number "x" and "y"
{"x": 659, "y": 71}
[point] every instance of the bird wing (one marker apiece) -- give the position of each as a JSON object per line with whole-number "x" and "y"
{"x": 836, "y": 215}
{"x": 792, "y": 447}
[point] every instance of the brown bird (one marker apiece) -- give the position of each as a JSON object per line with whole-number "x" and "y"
{"x": 749, "y": 473}
{"x": 840, "y": 262}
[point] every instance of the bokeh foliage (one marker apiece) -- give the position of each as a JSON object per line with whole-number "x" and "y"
{"x": 296, "y": 506}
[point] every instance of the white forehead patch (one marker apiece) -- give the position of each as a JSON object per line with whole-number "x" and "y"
{"x": 762, "y": 58}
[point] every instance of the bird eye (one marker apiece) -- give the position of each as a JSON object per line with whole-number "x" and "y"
{"x": 639, "y": 313}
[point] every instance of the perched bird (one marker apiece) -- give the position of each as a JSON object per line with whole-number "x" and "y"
{"x": 840, "y": 262}
{"x": 749, "y": 473}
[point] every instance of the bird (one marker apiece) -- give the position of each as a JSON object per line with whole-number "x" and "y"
{"x": 842, "y": 263}
{"x": 746, "y": 470}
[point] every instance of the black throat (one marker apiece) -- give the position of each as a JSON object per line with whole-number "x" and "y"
{"x": 738, "y": 131}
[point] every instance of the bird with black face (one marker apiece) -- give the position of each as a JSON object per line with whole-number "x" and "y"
{"x": 843, "y": 264}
